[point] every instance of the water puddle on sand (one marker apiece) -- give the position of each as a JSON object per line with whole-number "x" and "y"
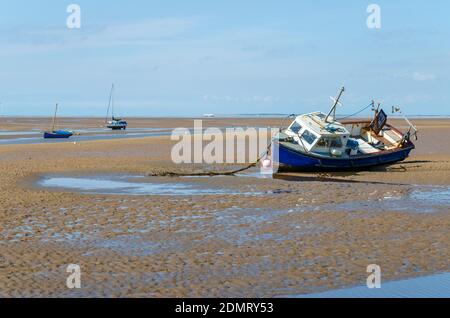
{"x": 435, "y": 195}
{"x": 17, "y": 133}
{"x": 134, "y": 129}
{"x": 86, "y": 134}
{"x": 81, "y": 138}
{"x": 132, "y": 185}
{"x": 419, "y": 199}
{"x": 435, "y": 286}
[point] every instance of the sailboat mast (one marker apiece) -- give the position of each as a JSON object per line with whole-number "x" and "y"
{"x": 110, "y": 104}
{"x": 54, "y": 117}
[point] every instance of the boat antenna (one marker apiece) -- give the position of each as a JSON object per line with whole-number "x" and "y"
{"x": 336, "y": 103}
{"x": 110, "y": 104}
{"x": 376, "y": 104}
{"x": 396, "y": 109}
{"x": 54, "y": 117}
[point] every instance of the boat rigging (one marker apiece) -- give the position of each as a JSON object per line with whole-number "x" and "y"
{"x": 115, "y": 123}
{"x": 57, "y": 134}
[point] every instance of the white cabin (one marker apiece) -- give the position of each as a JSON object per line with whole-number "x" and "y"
{"x": 314, "y": 134}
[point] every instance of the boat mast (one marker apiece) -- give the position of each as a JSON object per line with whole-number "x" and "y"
{"x": 110, "y": 103}
{"x": 54, "y": 117}
{"x": 336, "y": 102}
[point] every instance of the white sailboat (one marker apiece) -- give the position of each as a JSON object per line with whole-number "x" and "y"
{"x": 114, "y": 123}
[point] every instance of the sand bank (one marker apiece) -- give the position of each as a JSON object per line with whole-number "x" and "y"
{"x": 291, "y": 240}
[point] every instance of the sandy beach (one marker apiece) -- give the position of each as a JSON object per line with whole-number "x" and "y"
{"x": 295, "y": 234}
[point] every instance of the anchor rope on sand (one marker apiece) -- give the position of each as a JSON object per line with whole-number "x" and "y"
{"x": 219, "y": 173}
{"x": 210, "y": 173}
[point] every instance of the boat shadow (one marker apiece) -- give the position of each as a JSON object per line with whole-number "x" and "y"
{"x": 342, "y": 176}
{"x": 399, "y": 166}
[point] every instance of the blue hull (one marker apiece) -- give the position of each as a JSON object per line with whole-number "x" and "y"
{"x": 290, "y": 159}
{"x": 57, "y": 135}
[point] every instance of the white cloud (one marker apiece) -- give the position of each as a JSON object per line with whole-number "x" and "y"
{"x": 247, "y": 99}
{"x": 147, "y": 32}
{"x": 423, "y": 77}
{"x": 416, "y": 76}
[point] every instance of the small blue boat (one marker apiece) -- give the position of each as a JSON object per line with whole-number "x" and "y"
{"x": 317, "y": 142}
{"x": 57, "y": 134}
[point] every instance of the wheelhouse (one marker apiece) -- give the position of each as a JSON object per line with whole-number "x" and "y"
{"x": 313, "y": 134}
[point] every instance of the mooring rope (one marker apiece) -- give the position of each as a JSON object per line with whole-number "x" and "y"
{"x": 358, "y": 112}
{"x": 210, "y": 173}
{"x": 217, "y": 173}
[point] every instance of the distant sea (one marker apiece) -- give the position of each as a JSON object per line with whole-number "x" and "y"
{"x": 265, "y": 115}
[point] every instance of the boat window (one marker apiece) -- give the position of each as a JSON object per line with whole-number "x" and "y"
{"x": 296, "y": 127}
{"x": 330, "y": 142}
{"x": 336, "y": 142}
{"x": 321, "y": 143}
{"x": 309, "y": 137}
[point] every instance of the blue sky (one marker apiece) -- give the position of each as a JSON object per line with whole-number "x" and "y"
{"x": 224, "y": 57}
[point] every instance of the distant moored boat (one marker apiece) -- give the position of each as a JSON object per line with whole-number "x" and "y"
{"x": 57, "y": 134}
{"x": 114, "y": 123}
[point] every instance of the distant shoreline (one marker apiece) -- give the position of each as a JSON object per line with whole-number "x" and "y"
{"x": 216, "y": 116}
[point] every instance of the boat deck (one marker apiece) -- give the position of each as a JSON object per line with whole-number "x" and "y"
{"x": 364, "y": 149}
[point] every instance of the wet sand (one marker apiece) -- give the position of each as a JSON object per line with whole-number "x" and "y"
{"x": 433, "y": 286}
{"x": 297, "y": 237}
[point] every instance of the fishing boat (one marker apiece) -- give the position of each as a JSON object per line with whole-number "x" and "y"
{"x": 57, "y": 134}
{"x": 318, "y": 141}
{"x": 115, "y": 123}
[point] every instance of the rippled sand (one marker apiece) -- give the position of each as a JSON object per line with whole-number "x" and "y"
{"x": 296, "y": 237}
